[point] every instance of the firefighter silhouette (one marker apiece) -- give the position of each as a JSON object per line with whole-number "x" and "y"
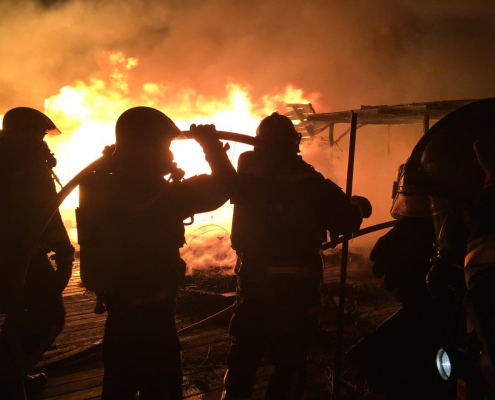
{"x": 27, "y": 186}
{"x": 130, "y": 222}
{"x": 439, "y": 258}
{"x": 282, "y": 211}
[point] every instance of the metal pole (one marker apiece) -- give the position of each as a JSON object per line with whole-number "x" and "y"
{"x": 388, "y": 140}
{"x": 426, "y": 123}
{"x": 331, "y": 129}
{"x": 343, "y": 268}
{"x": 370, "y": 229}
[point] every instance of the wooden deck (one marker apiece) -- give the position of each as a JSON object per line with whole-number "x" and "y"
{"x": 204, "y": 353}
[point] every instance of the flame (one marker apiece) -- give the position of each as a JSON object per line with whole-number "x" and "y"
{"x": 86, "y": 112}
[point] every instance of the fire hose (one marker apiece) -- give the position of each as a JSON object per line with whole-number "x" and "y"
{"x": 40, "y": 225}
{"x": 74, "y": 182}
{"x": 370, "y": 229}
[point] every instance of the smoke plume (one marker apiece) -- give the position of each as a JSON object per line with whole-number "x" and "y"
{"x": 354, "y": 52}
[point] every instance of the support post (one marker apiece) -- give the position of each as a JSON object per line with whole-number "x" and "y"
{"x": 426, "y": 123}
{"x": 331, "y": 141}
{"x": 388, "y": 140}
{"x": 343, "y": 268}
{"x": 331, "y": 134}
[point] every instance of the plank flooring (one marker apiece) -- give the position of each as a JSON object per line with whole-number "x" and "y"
{"x": 203, "y": 355}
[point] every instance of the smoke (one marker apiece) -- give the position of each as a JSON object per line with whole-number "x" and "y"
{"x": 210, "y": 251}
{"x": 352, "y": 52}
{"x": 370, "y": 52}
{"x": 379, "y": 152}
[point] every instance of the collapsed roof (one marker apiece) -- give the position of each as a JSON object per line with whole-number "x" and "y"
{"x": 312, "y": 123}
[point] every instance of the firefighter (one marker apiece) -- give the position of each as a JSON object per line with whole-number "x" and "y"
{"x": 27, "y": 186}
{"x": 282, "y": 211}
{"x": 440, "y": 252}
{"x": 479, "y": 264}
{"x": 130, "y": 222}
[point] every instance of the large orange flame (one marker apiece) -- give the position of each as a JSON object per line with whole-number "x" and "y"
{"x": 86, "y": 112}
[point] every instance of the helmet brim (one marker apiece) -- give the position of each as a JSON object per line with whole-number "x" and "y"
{"x": 53, "y": 132}
{"x": 409, "y": 205}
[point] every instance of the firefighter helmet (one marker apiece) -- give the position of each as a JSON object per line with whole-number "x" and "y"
{"x": 143, "y": 127}
{"x": 279, "y": 130}
{"x": 443, "y": 165}
{"x": 25, "y": 120}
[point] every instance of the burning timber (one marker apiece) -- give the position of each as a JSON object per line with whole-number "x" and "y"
{"x": 313, "y": 123}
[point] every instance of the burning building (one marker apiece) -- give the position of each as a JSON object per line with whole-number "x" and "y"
{"x": 231, "y": 64}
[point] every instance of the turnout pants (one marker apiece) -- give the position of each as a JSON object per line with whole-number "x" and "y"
{"x": 141, "y": 352}
{"x": 276, "y": 312}
{"x": 287, "y": 353}
{"x": 27, "y": 335}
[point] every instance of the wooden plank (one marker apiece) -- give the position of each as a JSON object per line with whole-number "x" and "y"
{"x": 202, "y": 350}
{"x": 84, "y": 324}
{"x": 192, "y": 337}
{"x": 81, "y": 305}
{"x": 394, "y": 114}
{"x": 78, "y": 376}
{"x": 91, "y": 383}
{"x": 78, "y": 341}
{"x": 315, "y": 377}
{"x": 86, "y": 394}
{"x": 194, "y": 383}
{"x": 72, "y": 320}
{"x": 203, "y": 384}
{"x": 89, "y": 334}
{"x": 77, "y": 299}
{"x": 71, "y": 388}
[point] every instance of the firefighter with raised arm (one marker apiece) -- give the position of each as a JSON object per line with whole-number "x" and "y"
{"x": 27, "y": 186}
{"x": 130, "y": 222}
{"x": 282, "y": 211}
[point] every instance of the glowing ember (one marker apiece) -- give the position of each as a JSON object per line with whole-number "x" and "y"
{"x": 86, "y": 113}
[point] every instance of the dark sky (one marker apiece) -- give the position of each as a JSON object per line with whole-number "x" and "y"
{"x": 353, "y": 52}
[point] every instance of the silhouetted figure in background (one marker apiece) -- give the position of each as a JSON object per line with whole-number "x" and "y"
{"x": 440, "y": 259}
{"x": 282, "y": 211}
{"x": 26, "y": 187}
{"x": 479, "y": 265}
{"x": 130, "y": 225}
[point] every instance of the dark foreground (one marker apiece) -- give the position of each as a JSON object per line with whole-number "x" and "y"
{"x": 75, "y": 369}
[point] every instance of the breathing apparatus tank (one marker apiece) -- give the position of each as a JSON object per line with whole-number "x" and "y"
{"x": 259, "y": 215}
{"x": 143, "y": 134}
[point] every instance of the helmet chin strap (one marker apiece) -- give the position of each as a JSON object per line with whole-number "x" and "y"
{"x": 51, "y": 162}
{"x": 55, "y": 177}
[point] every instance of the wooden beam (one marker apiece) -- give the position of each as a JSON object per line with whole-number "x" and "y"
{"x": 393, "y": 115}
